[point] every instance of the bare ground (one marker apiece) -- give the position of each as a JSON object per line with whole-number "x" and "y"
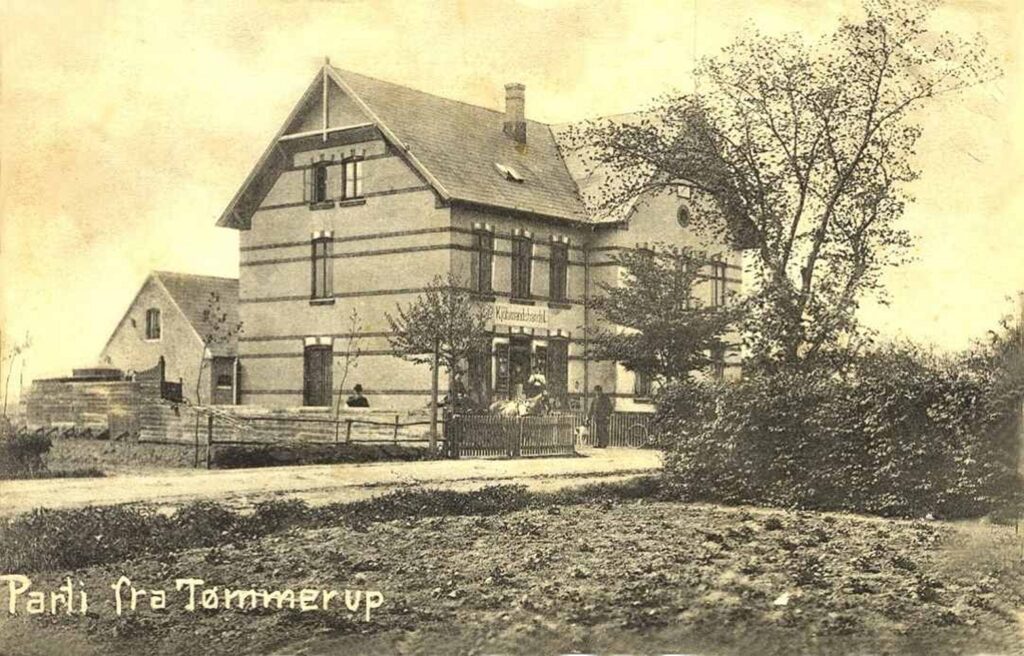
{"x": 607, "y": 577}
{"x": 317, "y": 484}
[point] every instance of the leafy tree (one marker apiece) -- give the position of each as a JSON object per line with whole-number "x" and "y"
{"x": 802, "y": 152}
{"x": 443, "y": 327}
{"x": 667, "y": 332}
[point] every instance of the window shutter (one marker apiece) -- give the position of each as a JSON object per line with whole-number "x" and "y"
{"x": 474, "y": 263}
{"x": 307, "y": 187}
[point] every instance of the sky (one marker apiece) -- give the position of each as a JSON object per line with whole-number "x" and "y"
{"x": 127, "y": 126}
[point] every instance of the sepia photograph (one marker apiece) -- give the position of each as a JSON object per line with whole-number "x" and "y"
{"x": 522, "y": 327}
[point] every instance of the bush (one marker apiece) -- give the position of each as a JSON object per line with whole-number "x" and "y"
{"x": 22, "y": 453}
{"x": 905, "y": 433}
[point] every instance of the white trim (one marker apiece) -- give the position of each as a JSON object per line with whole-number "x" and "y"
{"x": 313, "y": 133}
{"x": 318, "y": 341}
{"x": 321, "y": 234}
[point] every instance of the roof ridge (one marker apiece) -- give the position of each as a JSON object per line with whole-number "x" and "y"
{"x": 158, "y": 272}
{"x": 434, "y": 95}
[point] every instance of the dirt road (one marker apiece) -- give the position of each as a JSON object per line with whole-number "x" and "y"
{"x": 321, "y": 484}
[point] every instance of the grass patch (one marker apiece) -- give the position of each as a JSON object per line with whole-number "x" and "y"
{"x": 83, "y": 472}
{"x": 45, "y": 540}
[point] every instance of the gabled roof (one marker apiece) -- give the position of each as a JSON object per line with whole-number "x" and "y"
{"x": 460, "y": 144}
{"x": 455, "y": 146}
{"x": 192, "y": 294}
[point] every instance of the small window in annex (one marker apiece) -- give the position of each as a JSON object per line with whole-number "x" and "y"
{"x": 152, "y": 323}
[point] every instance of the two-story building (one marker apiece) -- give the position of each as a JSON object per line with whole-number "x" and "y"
{"x": 371, "y": 189}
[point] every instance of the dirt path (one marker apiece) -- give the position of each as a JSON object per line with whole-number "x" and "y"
{"x": 321, "y": 484}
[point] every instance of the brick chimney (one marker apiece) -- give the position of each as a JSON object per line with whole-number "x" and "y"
{"x": 515, "y": 111}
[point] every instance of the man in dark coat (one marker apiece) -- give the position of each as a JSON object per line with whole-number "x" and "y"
{"x": 600, "y": 414}
{"x": 357, "y": 400}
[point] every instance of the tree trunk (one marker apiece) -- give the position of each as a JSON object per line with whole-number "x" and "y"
{"x": 433, "y": 399}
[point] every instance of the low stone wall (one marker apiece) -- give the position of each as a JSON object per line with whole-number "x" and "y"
{"x": 84, "y": 404}
{"x": 233, "y": 424}
{"x": 78, "y": 453}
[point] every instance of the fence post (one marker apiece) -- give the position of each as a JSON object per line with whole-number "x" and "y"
{"x": 396, "y": 429}
{"x": 517, "y": 448}
{"x": 348, "y": 431}
{"x": 209, "y": 440}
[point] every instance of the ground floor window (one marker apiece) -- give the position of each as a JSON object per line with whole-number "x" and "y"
{"x": 316, "y": 375}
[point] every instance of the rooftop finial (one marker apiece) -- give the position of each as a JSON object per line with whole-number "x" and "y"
{"x": 327, "y": 60}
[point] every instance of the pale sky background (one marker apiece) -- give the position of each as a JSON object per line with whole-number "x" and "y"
{"x": 128, "y": 126}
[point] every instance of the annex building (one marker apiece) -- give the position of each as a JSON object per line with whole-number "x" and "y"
{"x": 371, "y": 189}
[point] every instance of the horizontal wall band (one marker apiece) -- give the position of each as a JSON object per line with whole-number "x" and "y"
{"x": 339, "y": 162}
{"x": 373, "y": 334}
{"x": 362, "y": 237}
{"x": 367, "y": 392}
{"x": 390, "y": 292}
{"x": 391, "y": 251}
{"x": 385, "y": 235}
{"x": 370, "y": 194}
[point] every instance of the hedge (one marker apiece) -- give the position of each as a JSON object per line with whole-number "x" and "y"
{"x": 903, "y": 433}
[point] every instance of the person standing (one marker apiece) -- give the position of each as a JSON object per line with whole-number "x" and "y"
{"x": 357, "y": 400}
{"x": 600, "y": 414}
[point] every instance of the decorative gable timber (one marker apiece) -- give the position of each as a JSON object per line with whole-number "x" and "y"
{"x": 340, "y": 110}
{"x": 453, "y": 146}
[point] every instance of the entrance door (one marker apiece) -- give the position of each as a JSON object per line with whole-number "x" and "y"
{"x": 316, "y": 376}
{"x": 519, "y": 365}
{"x": 222, "y": 381}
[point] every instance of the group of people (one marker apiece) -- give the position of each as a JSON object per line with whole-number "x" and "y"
{"x": 599, "y": 415}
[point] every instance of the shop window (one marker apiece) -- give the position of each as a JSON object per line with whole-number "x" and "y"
{"x": 558, "y": 369}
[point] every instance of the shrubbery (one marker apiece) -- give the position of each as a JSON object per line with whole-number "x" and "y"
{"x": 278, "y": 455}
{"x": 901, "y": 433}
{"x": 22, "y": 453}
{"x": 69, "y": 539}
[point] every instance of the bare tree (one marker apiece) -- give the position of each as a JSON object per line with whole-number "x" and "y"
{"x": 802, "y": 153}
{"x": 17, "y": 350}
{"x": 351, "y": 358}
{"x": 219, "y": 331}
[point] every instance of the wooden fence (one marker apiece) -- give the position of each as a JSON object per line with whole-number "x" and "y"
{"x": 631, "y": 429}
{"x": 491, "y": 436}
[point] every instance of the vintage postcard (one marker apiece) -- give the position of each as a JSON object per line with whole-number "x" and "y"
{"x": 522, "y": 327}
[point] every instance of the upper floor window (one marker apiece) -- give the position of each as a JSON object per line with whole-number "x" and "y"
{"x": 559, "y": 269}
{"x": 352, "y": 178}
{"x": 322, "y": 286}
{"x": 718, "y": 283}
{"x": 522, "y": 263}
{"x": 483, "y": 259}
{"x": 319, "y": 183}
{"x": 152, "y": 323}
